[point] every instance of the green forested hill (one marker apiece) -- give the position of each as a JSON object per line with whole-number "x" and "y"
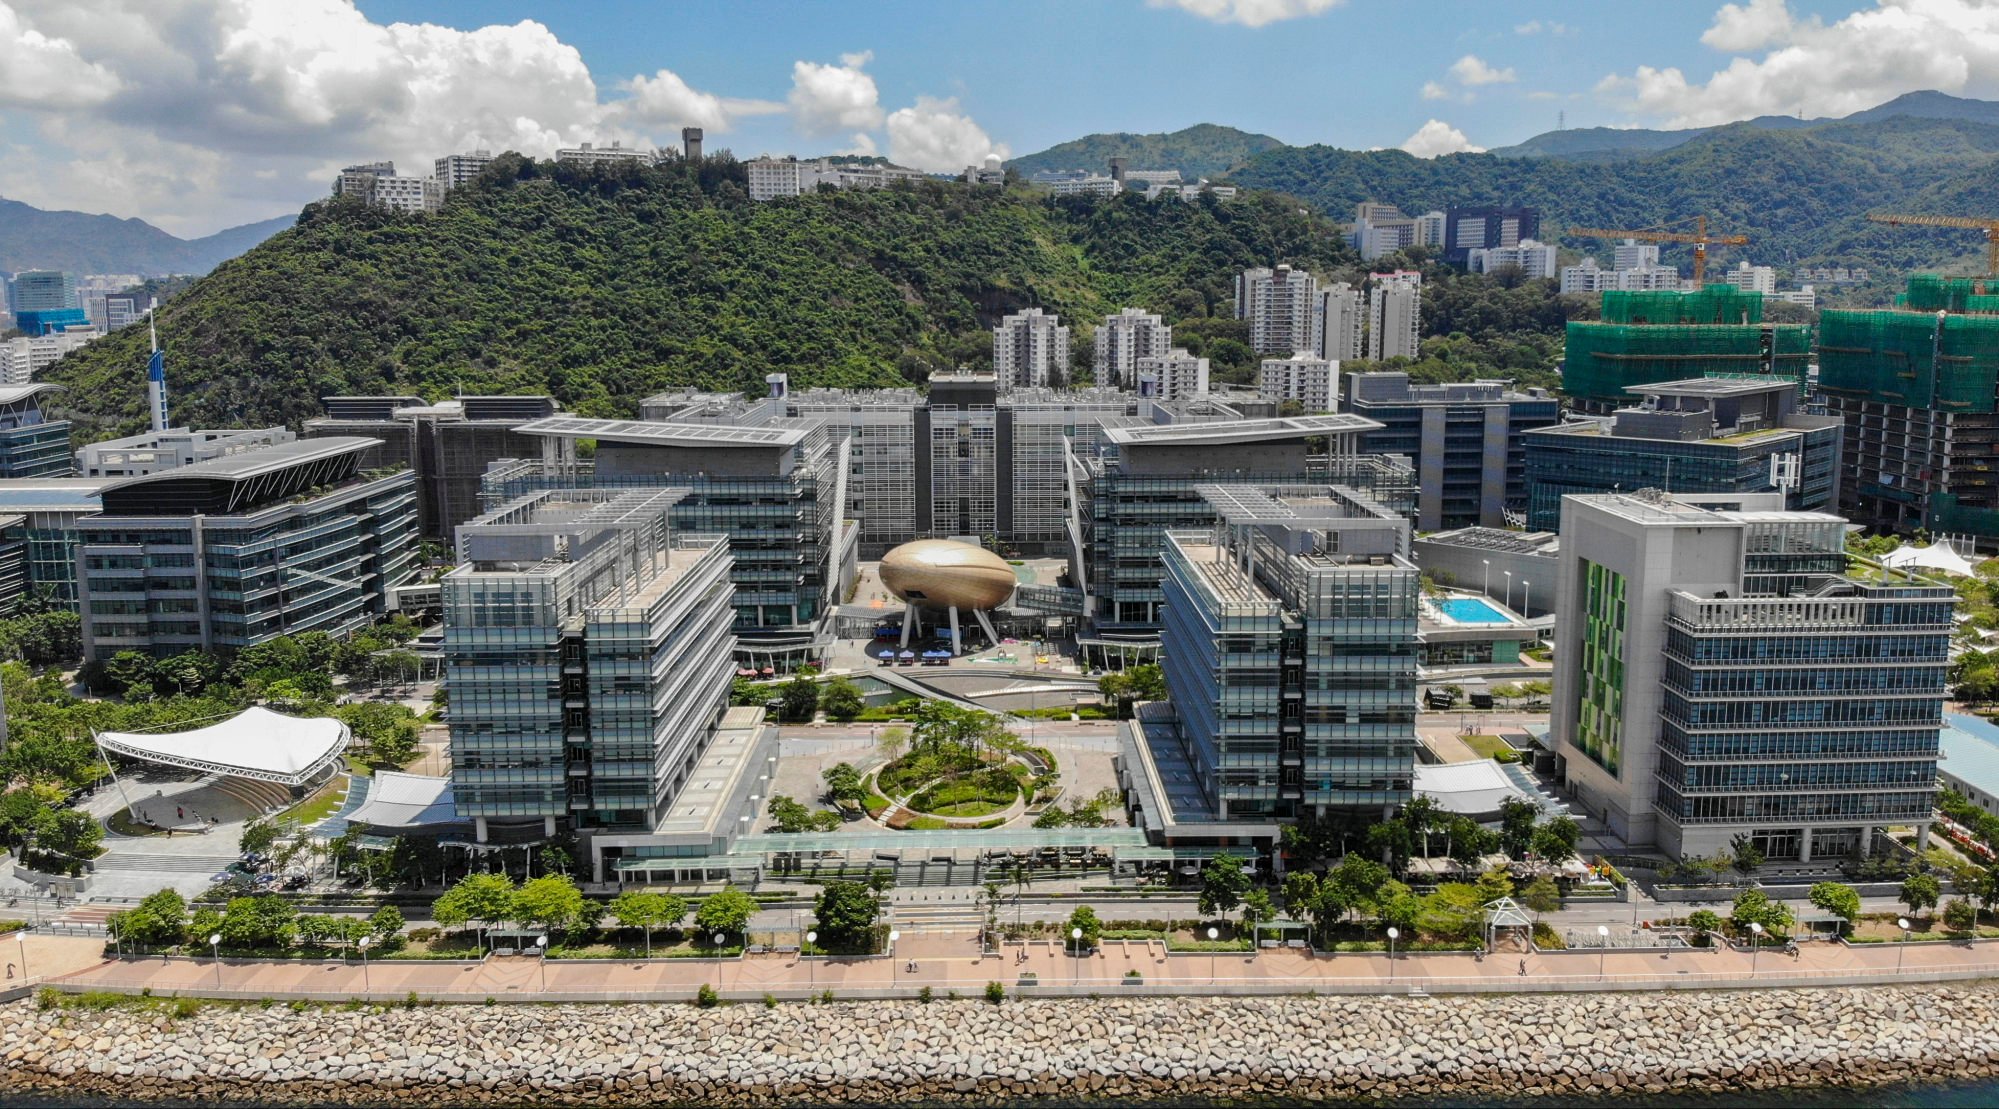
{"x": 604, "y": 286}
{"x": 1800, "y": 195}
{"x": 1203, "y": 150}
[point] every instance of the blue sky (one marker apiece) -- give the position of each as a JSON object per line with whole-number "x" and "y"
{"x": 206, "y": 114}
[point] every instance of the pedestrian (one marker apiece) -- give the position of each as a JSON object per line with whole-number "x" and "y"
{"x": 1523, "y": 966}
{"x": 180, "y": 813}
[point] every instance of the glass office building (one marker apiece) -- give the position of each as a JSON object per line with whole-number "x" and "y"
{"x": 1290, "y": 648}
{"x": 31, "y": 444}
{"x": 236, "y": 551}
{"x": 587, "y": 648}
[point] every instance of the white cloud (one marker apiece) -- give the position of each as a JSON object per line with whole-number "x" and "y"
{"x": 935, "y": 135}
{"x": 1435, "y": 91}
{"x": 1536, "y": 26}
{"x": 1472, "y": 71}
{"x": 829, "y": 98}
{"x": 1751, "y": 26}
{"x": 217, "y": 113}
{"x": 666, "y": 100}
{"x": 1868, "y": 57}
{"x": 1437, "y": 137}
{"x": 1250, "y": 13}
{"x": 46, "y": 72}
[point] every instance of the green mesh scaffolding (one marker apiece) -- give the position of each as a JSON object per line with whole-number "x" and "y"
{"x": 1716, "y": 304}
{"x": 1912, "y": 356}
{"x": 1929, "y": 292}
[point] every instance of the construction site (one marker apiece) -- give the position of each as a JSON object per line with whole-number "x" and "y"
{"x": 1646, "y": 337}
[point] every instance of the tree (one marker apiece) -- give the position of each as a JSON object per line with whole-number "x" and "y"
{"x": 841, "y": 699}
{"x": 1704, "y": 921}
{"x": 387, "y": 732}
{"x": 262, "y": 922}
{"x": 386, "y": 925}
{"x": 69, "y": 833}
{"x": 646, "y": 911}
{"x": 1467, "y": 843}
{"x": 1256, "y": 909}
{"x": 1454, "y": 911}
{"x": 1542, "y": 895}
{"x": 484, "y": 898}
{"x": 726, "y": 911}
{"x": 1516, "y": 826}
{"x": 1222, "y": 884}
{"x": 844, "y": 783}
{"x": 846, "y": 913}
{"x": 1839, "y": 899}
{"x": 1354, "y": 883}
{"x": 1493, "y": 885}
{"x": 1084, "y": 917}
{"x": 798, "y": 699}
{"x": 792, "y": 817}
{"x": 551, "y": 901}
{"x": 1397, "y": 906}
{"x": 1920, "y": 891}
{"x": 940, "y": 725}
{"x": 158, "y": 921}
{"x": 1555, "y": 839}
{"x": 1960, "y": 916}
{"x": 1300, "y": 894}
{"x": 1747, "y": 856}
{"x": 1755, "y": 907}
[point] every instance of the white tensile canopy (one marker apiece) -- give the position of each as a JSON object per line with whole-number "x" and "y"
{"x": 1936, "y": 556}
{"x": 255, "y": 743}
{"x": 399, "y": 800}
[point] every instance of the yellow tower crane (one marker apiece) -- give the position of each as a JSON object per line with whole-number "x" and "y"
{"x": 1969, "y": 223}
{"x": 1698, "y": 237}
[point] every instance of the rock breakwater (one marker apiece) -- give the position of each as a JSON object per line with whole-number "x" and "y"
{"x": 1130, "y": 1049}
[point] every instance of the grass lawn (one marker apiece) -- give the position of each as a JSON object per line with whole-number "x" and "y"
{"x": 320, "y": 805}
{"x": 1882, "y": 929}
{"x": 122, "y": 823}
{"x": 1487, "y": 746}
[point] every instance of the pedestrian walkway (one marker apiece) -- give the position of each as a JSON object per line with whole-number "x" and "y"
{"x": 948, "y": 961}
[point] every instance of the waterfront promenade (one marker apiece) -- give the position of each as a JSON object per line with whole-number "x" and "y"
{"x": 949, "y": 962}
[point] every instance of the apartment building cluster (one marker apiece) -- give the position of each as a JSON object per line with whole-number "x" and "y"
{"x": 1150, "y": 183}
{"x": 770, "y": 178}
{"x": 1634, "y": 267}
{"x": 378, "y": 183}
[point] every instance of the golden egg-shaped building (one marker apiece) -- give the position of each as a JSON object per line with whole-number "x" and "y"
{"x": 946, "y": 573}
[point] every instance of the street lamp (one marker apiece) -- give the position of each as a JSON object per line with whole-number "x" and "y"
{"x": 1509, "y": 588}
{"x": 893, "y": 936}
{"x": 1526, "y": 598}
{"x": 1076, "y": 934}
{"x": 541, "y": 949}
{"x": 1214, "y": 976}
{"x": 215, "y": 952}
{"x": 1755, "y": 945}
{"x": 811, "y": 972}
{"x": 1485, "y": 579}
{"x": 362, "y": 943}
{"x": 1901, "y": 922}
{"x": 1603, "y": 939}
{"x": 1393, "y": 935}
{"x": 21, "y": 937}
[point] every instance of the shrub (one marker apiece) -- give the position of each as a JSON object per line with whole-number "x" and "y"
{"x": 185, "y": 1007}
{"x": 706, "y": 997}
{"x": 770, "y": 1001}
{"x": 924, "y": 995}
{"x": 1959, "y": 915}
{"x": 424, "y": 935}
{"x": 995, "y": 992}
{"x": 825, "y": 997}
{"x": 47, "y": 998}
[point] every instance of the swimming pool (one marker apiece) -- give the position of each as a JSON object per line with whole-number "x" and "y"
{"x": 1471, "y": 610}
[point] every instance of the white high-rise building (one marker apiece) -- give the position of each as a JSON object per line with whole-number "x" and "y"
{"x": 1394, "y": 314}
{"x": 1310, "y": 380}
{"x": 454, "y": 170}
{"x": 1757, "y": 279}
{"x": 1634, "y": 255}
{"x": 1281, "y": 306}
{"x": 23, "y": 357}
{"x": 1030, "y": 349}
{"x": 771, "y": 178}
{"x": 378, "y": 184}
{"x": 1534, "y": 259}
{"x": 1587, "y": 277}
{"x": 1175, "y": 375}
{"x": 1430, "y": 228}
{"x": 615, "y": 154}
{"x": 1338, "y": 327}
{"x": 1123, "y": 339}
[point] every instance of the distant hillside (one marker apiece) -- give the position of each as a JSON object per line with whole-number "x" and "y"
{"x": 604, "y": 286}
{"x": 1203, "y": 150}
{"x": 34, "y": 239}
{"x": 1800, "y": 195}
{"x": 1611, "y": 143}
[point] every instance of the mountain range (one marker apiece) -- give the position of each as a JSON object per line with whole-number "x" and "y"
{"x": 36, "y": 239}
{"x": 1799, "y": 189}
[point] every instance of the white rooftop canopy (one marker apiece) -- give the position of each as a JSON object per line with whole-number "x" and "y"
{"x": 399, "y": 800}
{"x": 255, "y": 743}
{"x": 1466, "y": 788}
